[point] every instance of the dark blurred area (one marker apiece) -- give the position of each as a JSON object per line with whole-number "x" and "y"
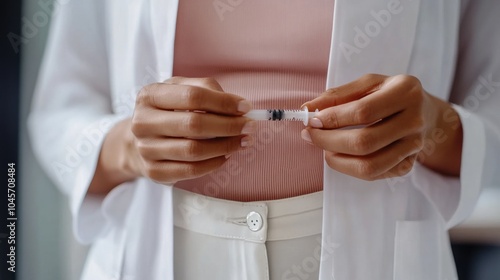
{"x": 9, "y": 102}
{"x": 477, "y": 262}
{"x": 10, "y": 72}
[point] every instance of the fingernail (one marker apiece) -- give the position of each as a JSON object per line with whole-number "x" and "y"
{"x": 249, "y": 127}
{"x": 302, "y": 106}
{"x": 244, "y": 106}
{"x": 316, "y": 123}
{"x": 306, "y": 136}
{"x": 227, "y": 156}
{"x": 246, "y": 141}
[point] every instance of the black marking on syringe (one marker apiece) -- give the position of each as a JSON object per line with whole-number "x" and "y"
{"x": 276, "y": 115}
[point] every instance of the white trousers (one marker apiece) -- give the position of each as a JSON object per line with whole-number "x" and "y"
{"x": 222, "y": 239}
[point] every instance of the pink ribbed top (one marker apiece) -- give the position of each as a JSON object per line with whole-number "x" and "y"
{"x": 275, "y": 54}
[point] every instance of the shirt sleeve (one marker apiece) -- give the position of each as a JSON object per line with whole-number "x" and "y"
{"x": 72, "y": 108}
{"x": 476, "y": 98}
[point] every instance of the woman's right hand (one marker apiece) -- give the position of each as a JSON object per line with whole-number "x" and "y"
{"x": 181, "y": 129}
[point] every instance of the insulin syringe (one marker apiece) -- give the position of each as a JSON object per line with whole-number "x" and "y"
{"x": 281, "y": 115}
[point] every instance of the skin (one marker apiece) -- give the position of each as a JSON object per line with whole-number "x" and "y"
{"x": 397, "y": 122}
{"x": 181, "y": 129}
{"x": 400, "y": 123}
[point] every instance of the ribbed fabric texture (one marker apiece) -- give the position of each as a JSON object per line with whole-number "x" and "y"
{"x": 275, "y": 54}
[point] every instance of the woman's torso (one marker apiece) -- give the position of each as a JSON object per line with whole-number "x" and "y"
{"x": 275, "y": 54}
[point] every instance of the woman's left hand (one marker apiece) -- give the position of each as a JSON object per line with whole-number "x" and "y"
{"x": 397, "y": 121}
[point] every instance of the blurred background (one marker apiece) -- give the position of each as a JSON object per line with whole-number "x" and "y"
{"x": 46, "y": 248}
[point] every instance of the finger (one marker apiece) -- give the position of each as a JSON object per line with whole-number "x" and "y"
{"x": 174, "y": 171}
{"x": 182, "y": 97}
{"x": 371, "y": 166}
{"x": 209, "y": 83}
{"x": 367, "y": 140}
{"x": 182, "y": 149}
{"x": 190, "y": 124}
{"x": 346, "y": 93}
{"x": 401, "y": 169}
{"x": 383, "y": 103}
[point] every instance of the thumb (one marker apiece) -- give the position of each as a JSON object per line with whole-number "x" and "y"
{"x": 327, "y": 99}
{"x": 346, "y": 93}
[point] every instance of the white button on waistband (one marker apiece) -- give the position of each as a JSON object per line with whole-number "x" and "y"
{"x": 254, "y": 221}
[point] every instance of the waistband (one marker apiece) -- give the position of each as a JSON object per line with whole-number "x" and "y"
{"x": 259, "y": 221}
